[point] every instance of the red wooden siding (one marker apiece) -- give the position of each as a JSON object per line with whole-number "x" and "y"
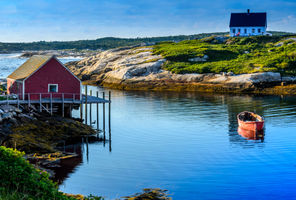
{"x": 52, "y": 73}
{"x": 14, "y": 87}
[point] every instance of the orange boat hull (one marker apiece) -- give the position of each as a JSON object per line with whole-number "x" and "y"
{"x": 251, "y": 126}
{"x": 250, "y": 134}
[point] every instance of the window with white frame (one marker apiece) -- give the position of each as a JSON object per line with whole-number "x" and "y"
{"x": 233, "y": 30}
{"x": 53, "y": 87}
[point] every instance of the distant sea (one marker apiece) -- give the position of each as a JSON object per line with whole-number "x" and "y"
{"x": 9, "y": 62}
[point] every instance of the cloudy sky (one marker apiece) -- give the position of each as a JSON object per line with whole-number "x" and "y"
{"x": 35, "y": 20}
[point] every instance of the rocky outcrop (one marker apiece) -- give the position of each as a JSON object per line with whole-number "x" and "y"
{"x": 31, "y": 131}
{"x": 138, "y": 68}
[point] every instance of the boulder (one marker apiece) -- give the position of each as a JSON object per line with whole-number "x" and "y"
{"x": 7, "y": 115}
{"x": 7, "y": 108}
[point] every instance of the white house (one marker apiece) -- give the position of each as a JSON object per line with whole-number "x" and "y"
{"x": 248, "y": 24}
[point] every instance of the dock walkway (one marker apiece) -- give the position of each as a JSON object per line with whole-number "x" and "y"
{"x": 88, "y": 100}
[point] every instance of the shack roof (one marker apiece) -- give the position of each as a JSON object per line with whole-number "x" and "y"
{"x": 29, "y": 67}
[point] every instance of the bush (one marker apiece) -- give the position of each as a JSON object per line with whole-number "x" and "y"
{"x": 20, "y": 180}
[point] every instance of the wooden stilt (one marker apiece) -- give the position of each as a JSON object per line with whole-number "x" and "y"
{"x": 18, "y": 101}
{"x": 63, "y": 105}
{"x": 85, "y": 104}
{"x": 40, "y": 103}
{"x": 104, "y": 114}
{"x": 109, "y": 112}
{"x": 29, "y": 102}
{"x": 81, "y": 110}
{"x": 90, "y": 110}
{"x": 98, "y": 112}
{"x": 70, "y": 111}
{"x": 50, "y": 103}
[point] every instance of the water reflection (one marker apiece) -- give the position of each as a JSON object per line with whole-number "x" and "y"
{"x": 68, "y": 166}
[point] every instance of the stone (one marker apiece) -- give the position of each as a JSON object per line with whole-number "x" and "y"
{"x": 7, "y": 108}
{"x": 199, "y": 59}
{"x": 229, "y": 74}
{"x": 17, "y": 110}
{"x": 13, "y": 121}
{"x": 7, "y": 115}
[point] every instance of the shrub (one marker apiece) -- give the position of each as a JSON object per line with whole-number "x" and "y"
{"x": 20, "y": 180}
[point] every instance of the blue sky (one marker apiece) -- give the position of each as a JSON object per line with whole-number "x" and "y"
{"x": 51, "y": 20}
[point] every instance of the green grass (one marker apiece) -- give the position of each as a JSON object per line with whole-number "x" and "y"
{"x": 238, "y": 55}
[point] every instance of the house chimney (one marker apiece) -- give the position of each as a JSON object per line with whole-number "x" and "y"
{"x": 248, "y": 11}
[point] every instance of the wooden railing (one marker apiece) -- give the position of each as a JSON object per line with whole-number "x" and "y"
{"x": 55, "y": 96}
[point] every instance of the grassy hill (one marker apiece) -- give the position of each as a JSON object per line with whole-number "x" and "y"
{"x": 237, "y": 55}
{"x": 103, "y": 43}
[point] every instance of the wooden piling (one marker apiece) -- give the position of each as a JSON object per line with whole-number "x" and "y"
{"x": 98, "y": 112}
{"x": 104, "y": 113}
{"x": 85, "y": 104}
{"x": 29, "y": 102}
{"x": 40, "y": 103}
{"x": 18, "y": 101}
{"x": 50, "y": 103}
{"x": 109, "y": 112}
{"x": 63, "y": 105}
{"x": 81, "y": 113}
{"x": 90, "y": 110}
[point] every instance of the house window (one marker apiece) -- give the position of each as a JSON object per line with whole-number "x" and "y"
{"x": 253, "y": 30}
{"x": 259, "y": 30}
{"x": 245, "y": 31}
{"x": 233, "y": 30}
{"x": 52, "y": 87}
{"x": 239, "y": 30}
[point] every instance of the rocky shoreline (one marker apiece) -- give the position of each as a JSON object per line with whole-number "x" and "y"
{"x": 138, "y": 68}
{"x": 60, "y": 53}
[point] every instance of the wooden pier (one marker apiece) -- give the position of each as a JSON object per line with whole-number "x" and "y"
{"x": 63, "y": 104}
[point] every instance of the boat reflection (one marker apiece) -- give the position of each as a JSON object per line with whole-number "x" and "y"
{"x": 250, "y": 134}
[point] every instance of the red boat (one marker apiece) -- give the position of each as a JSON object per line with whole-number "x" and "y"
{"x": 251, "y": 135}
{"x": 250, "y": 121}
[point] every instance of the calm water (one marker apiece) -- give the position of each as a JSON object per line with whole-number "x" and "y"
{"x": 187, "y": 143}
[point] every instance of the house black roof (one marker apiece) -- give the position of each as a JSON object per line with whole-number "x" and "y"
{"x": 248, "y": 19}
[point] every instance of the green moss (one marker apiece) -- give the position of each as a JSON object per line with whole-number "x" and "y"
{"x": 238, "y": 55}
{"x": 44, "y": 136}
